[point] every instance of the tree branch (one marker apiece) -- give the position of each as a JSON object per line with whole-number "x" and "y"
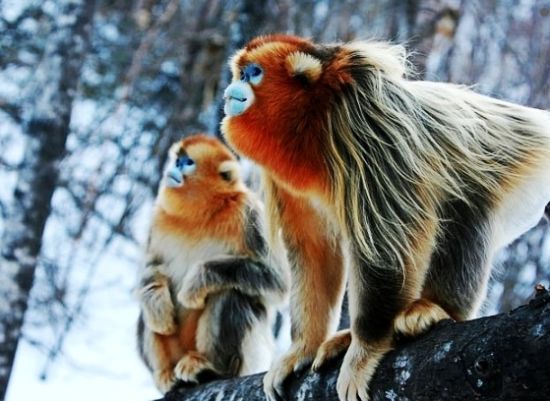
{"x": 502, "y": 357}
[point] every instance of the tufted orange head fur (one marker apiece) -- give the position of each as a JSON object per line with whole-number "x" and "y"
{"x": 208, "y": 195}
{"x": 289, "y": 111}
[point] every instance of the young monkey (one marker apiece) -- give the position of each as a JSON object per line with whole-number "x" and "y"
{"x": 210, "y": 284}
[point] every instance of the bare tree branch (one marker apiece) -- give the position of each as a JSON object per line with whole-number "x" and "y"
{"x": 499, "y": 358}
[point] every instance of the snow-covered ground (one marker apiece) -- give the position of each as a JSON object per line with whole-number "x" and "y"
{"x": 100, "y": 359}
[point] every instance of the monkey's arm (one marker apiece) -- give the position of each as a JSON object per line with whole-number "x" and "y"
{"x": 244, "y": 274}
{"x": 155, "y": 300}
{"x": 261, "y": 273}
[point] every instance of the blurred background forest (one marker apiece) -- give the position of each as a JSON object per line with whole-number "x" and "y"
{"x": 92, "y": 93}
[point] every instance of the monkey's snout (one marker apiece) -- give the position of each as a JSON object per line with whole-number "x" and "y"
{"x": 238, "y": 98}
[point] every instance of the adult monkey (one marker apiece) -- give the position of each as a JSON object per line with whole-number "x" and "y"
{"x": 412, "y": 186}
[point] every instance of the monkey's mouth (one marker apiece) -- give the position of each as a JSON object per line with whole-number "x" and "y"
{"x": 174, "y": 180}
{"x": 238, "y": 98}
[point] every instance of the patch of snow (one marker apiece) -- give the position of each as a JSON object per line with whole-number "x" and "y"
{"x": 403, "y": 368}
{"x": 100, "y": 358}
{"x": 442, "y": 351}
{"x": 391, "y": 395}
{"x": 83, "y": 114}
{"x": 404, "y": 375}
{"x": 320, "y": 10}
{"x": 304, "y": 392}
{"x": 66, "y": 20}
{"x": 402, "y": 361}
{"x": 109, "y": 32}
{"x": 12, "y": 9}
{"x": 50, "y": 7}
{"x": 538, "y": 330}
{"x": 528, "y": 274}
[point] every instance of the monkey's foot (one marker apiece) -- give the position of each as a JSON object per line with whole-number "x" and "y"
{"x": 357, "y": 369}
{"x": 331, "y": 348}
{"x": 164, "y": 380}
{"x": 296, "y": 359}
{"x": 189, "y": 367}
{"x": 418, "y": 317}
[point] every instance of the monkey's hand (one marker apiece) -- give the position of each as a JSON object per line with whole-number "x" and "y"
{"x": 195, "y": 290}
{"x": 157, "y": 307}
{"x": 193, "y": 297}
{"x": 357, "y": 369}
{"x": 297, "y": 358}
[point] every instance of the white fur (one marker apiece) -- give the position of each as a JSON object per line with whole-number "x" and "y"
{"x": 183, "y": 258}
{"x": 523, "y": 208}
{"x": 257, "y": 349}
{"x": 303, "y": 63}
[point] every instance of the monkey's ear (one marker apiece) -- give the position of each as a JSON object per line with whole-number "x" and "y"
{"x": 304, "y": 66}
{"x": 229, "y": 170}
{"x": 175, "y": 149}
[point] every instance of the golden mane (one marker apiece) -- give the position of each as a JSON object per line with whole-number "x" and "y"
{"x": 399, "y": 148}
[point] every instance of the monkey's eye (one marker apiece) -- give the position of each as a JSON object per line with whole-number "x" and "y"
{"x": 252, "y": 73}
{"x": 226, "y": 175}
{"x": 184, "y": 161}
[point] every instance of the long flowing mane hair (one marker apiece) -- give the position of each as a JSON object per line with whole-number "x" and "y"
{"x": 399, "y": 149}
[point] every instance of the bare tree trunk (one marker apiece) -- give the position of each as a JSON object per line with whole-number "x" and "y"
{"x": 250, "y": 19}
{"x": 499, "y": 358}
{"x": 46, "y": 126}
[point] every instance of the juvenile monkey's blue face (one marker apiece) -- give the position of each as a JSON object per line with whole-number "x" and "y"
{"x": 239, "y": 95}
{"x": 178, "y": 170}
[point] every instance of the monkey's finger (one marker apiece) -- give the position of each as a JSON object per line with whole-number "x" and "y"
{"x": 271, "y": 392}
{"x": 331, "y": 348}
{"x": 275, "y": 378}
{"x": 364, "y": 393}
{"x": 302, "y": 363}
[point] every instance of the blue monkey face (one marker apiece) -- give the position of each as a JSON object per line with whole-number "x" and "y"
{"x": 175, "y": 174}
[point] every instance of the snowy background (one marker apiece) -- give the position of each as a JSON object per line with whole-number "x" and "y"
{"x": 131, "y": 77}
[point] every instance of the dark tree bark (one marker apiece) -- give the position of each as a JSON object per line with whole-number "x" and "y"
{"x": 499, "y": 358}
{"x": 46, "y": 125}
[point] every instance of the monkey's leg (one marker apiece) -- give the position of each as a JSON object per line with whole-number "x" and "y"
{"x": 460, "y": 267}
{"x": 244, "y": 274}
{"x": 157, "y": 353}
{"x": 317, "y": 286}
{"x": 377, "y": 294}
{"x": 156, "y": 303}
{"x": 375, "y": 299}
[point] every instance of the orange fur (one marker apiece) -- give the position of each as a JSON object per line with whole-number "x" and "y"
{"x": 206, "y": 222}
{"x": 322, "y": 284}
{"x": 205, "y": 208}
